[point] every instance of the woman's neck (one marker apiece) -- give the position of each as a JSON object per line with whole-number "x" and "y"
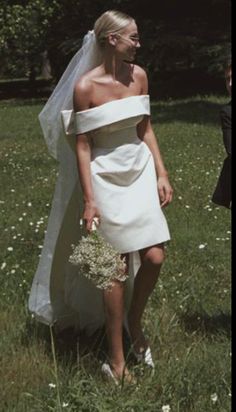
{"x": 113, "y": 66}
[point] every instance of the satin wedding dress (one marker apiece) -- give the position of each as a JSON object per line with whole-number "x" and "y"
{"x": 125, "y": 190}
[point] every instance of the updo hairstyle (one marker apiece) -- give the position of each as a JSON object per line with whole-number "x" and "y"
{"x": 111, "y": 21}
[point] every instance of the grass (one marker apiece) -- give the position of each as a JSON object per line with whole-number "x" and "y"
{"x": 188, "y": 318}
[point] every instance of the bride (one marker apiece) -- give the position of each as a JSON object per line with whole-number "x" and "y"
{"x": 104, "y": 103}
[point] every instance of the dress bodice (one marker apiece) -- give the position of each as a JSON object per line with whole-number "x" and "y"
{"x": 108, "y": 117}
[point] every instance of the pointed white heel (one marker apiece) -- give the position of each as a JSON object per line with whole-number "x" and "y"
{"x": 107, "y": 372}
{"x": 127, "y": 378}
{"x": 145, "y": 357}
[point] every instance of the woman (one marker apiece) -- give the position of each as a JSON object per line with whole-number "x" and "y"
{"x": 122, "y": 176}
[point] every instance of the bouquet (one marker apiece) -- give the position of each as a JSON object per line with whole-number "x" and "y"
{"x": 98, "y": 261}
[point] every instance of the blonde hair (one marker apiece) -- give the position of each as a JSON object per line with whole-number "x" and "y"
{"x": 111, "y": 21}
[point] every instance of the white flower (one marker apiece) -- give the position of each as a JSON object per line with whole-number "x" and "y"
{"x": 3, "y": 265}
{"x": 65, "y": 404}
{"x": 52, "y": 385}
{"x": 214, "y": 397}
{"x": 29, "y": 204}
{"x": 201, "y": 246}
{"x": 187, "y": 206}
{"x": 10, "y": 249}
{"x": 165, "y": 408}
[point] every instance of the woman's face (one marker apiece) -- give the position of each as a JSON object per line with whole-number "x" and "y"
{"x": 127, "y": 42}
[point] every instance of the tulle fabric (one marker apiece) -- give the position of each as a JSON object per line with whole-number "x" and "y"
{"x": 46, "y": 302}
{"x": 88, "y": 57}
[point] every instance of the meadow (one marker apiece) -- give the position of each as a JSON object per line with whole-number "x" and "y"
{"x": 188, "y": 318}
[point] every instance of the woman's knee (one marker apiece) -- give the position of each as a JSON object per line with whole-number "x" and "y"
{"x": 153, "y": 256}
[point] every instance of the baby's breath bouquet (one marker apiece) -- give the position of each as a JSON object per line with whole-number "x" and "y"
{"x": 98, "y": 261}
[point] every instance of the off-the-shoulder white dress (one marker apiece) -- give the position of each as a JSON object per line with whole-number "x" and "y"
{"x": 125, "y": 189}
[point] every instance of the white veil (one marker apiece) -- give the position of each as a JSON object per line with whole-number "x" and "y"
{"x": 87, "y": 57}
{"x": 51, "y": 284}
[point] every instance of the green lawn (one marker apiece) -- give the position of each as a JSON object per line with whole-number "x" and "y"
{"x": 188, "y": 317}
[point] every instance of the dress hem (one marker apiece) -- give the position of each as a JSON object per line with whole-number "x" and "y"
{"x": 149, "y": 244}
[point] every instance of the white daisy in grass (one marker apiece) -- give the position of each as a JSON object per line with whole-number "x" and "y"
{"x": 165, "y": 408}
{"x": 214, "y": 397}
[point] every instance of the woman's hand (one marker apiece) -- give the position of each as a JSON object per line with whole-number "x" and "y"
{"x": 165, "y": 190}
{"x": 90, "y": 213}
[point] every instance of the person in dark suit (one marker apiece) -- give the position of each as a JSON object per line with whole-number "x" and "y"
{"x": 222, "y": 195}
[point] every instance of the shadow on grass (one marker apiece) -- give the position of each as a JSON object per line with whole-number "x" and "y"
{"x": 70, "y": 345}
{"x": 208, "y": 325}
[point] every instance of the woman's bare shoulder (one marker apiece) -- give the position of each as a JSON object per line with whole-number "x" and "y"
{"x": 83, "y": 90}
{"x": 86, "y": 80}
{"x": 141, "y": 77}
{"x": 139, "y": 71}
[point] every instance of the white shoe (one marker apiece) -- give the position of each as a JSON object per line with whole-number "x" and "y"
{"x": 106, "y": 370}
{"x": 145, "y": 357}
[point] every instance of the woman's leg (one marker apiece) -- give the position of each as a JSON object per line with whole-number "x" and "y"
{"x": 145, "y": 280}
{"x": 114, "y": 314}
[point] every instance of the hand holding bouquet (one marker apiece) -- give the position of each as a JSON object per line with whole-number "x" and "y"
{"x": 98, "y": 261}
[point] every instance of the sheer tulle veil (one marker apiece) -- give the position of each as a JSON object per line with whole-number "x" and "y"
{"x": 87, "y": 57}
{"x": 52, "y": 286}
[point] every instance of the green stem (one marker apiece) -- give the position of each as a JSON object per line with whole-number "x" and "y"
{"x": 59, "y": 407}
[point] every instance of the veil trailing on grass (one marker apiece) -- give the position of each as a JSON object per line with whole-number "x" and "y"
{"x": 48, "y": 295}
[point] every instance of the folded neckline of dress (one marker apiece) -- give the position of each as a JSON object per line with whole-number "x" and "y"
{"x": 111, "y": 101}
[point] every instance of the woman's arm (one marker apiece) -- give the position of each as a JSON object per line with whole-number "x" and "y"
{"x": 145, "y": 133}
{"x": 83, "y": 152}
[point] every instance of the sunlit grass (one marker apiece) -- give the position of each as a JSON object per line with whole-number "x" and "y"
{"x": 188, "y": 316}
